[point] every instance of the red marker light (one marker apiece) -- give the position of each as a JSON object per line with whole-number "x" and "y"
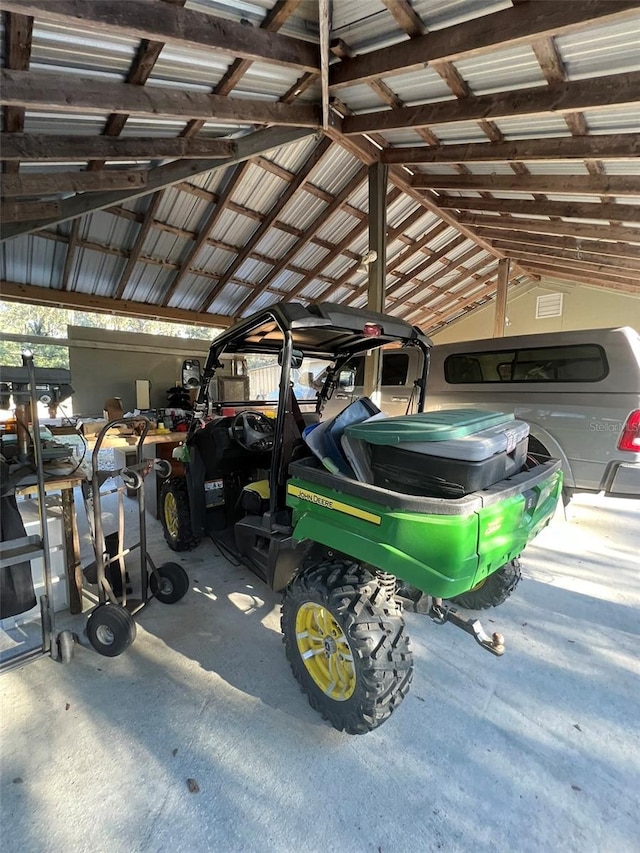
{"x": 372, "y": 330}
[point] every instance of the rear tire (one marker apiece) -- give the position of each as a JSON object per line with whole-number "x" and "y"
{"x": 175, "y": 515}
{"x": 347, "y": 645}
{"x": 493, "y": 590}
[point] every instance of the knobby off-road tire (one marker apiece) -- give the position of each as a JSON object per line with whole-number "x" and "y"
{"x": 347, "y": 645}
{"x": 493, "y": 590}
{"x": 175, "y": 515}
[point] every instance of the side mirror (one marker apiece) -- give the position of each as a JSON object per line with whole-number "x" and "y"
{"x": 297, "y": 357}
{"x": 191, "y": 376}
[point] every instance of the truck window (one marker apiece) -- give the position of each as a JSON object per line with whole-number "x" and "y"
{"x": 395, "y": 369}
{"x": 570, "y": 363}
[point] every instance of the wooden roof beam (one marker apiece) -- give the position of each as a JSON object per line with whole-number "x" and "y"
{"x": 158, "y": 178}
{"x": 605, "y": 185}
{"x": 483, "y": 224}
{"x": 574, "y": 210}
{"x": 624, "y": 146}
{"x": 614, "y": 89}
{"x": 272, "y": 22}
{"x": 478, "y": 274}
{"x": 186, "y": 28}
{"x": 481, "y": 34}
{"x": 70, "y": 93}
{"x": 582, "y": 260}
{"x": 15, "y": 292}
{"x": 49, "y": 183}
{"x": 570, "y": 273}
{"x": 506, "y": 241}
{"x": 62, "y": 148}
{"x": 17, "y": 53}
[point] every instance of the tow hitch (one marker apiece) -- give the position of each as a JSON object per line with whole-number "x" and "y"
{"x": 441, "y": 613}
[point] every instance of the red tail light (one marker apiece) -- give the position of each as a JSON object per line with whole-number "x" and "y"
{"x": 630, "y": 438}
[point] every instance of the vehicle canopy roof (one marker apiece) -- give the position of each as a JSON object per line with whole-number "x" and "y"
{"x": 320, "y": 330}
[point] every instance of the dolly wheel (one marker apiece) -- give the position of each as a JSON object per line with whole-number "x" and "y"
{"x": 65, "y": 646}
{"x": 347, "y": 645}
{"x": 169, "y": 583}
{"x": 111, "y": 629}
{"x": 492, "y": 590}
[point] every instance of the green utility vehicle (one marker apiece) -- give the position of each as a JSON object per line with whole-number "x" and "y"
{"x": 345, "y": 515}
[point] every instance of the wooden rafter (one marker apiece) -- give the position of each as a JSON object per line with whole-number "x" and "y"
{"x": 433, "y": 289}
{"x": 42, "y": 147}
{"x": 67, "y": 93}
{"x": 206, "y": 227}
{"x": 414, "y": 272}
{"x": 509, "y": 240}
{"x": 158, "y": 178}
{"x": 605, "y": 185}
{"x": 43, "y": 183}
{"x": 272, "y": 22}
{"x": 484, "y": 224}
{"x": 576, "y": 210}
{"x": 187, "y": 28}
{"x": 419, "y": 289}
{"x": 583, "y": 260}
{"x": 584, "y": 276}
{"x": 136, "y": 249}
{"x": 308, "y": 233}
{"x": 74, "y": 236}
{"x": 615, "y": 89}
{"x": 502, "y": 29}
{"x": 295, "y": 185}
{"x": 17, "y": 49}
{"x": 15, "y": 292}
{"x": 623, "y": 146}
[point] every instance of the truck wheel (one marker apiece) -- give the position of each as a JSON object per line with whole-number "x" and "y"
{"x": 537, "y": 454}
{"x": 347, "y": 645}
{"x": 493, "y": 590}
{"x": 175, "y": 515}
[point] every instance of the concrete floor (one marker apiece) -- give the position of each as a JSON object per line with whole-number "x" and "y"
{"x": 535, "y": 751}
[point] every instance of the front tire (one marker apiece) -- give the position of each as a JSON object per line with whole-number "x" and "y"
{"x": 347, "y": 645}
{"x": 493, "y": 590}
{"x": 175, "y": 515}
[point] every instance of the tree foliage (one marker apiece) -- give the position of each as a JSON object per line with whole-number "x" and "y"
{"x": 49, "y": 322}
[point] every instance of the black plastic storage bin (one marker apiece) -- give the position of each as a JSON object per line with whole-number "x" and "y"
{"x": 414, "y": 473}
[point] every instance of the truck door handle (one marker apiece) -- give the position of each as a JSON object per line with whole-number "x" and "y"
{"x": 342, "y": 396}
{"x": 399, "y": 399}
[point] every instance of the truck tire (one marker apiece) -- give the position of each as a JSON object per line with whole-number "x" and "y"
{"x": 493, "y": 590}
{"x": 175, "y": 516}
{"x": 347, "y": 645}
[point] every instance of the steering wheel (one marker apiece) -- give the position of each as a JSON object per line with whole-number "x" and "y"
{"x": 253, "y": 431}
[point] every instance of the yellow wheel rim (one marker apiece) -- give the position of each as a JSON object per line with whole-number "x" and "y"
{"x": 171, "y": 514}
{"x": 478, "y": 585}
{"x": 325, "y": 651}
